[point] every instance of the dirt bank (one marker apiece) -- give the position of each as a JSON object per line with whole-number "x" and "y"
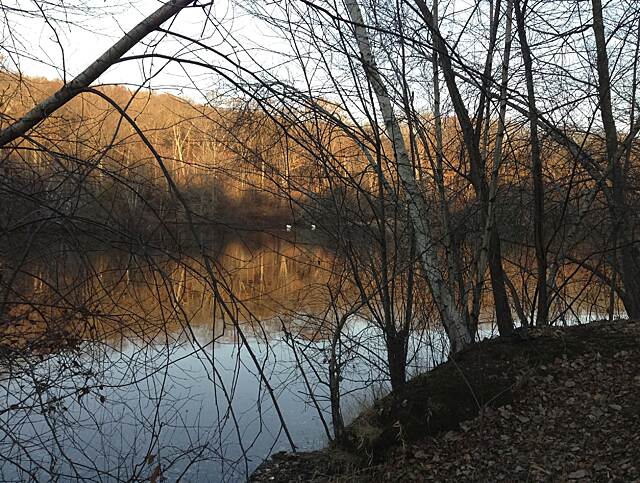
{"x": 550, "y": 404}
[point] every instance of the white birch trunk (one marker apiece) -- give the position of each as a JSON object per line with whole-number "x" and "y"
{"x": 452, "y": 317}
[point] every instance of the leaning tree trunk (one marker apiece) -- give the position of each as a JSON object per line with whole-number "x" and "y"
{"x": 627, "y": 253}
{"x": 452, "y": 317}
{"x": 83, "y": 80}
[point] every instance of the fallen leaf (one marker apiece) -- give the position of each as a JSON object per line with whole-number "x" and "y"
{"x": 576, "y": 475}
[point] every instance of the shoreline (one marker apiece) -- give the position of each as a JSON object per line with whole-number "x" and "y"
{"x": 486, "y": 390}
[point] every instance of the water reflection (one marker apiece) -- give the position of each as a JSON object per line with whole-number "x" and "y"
{"x": 125, "y": 365}
{"x": 118, "y": 365}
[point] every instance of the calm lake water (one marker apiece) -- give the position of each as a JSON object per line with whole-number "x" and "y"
{"x": 146, "y": 375}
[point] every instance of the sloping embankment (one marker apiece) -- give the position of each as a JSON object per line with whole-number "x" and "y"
{"x": 585, "y": 376}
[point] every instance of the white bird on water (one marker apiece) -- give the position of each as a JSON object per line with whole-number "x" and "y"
{"x": 288, "y": 227}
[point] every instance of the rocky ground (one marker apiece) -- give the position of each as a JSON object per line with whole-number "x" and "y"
{"x": 558, "y": 404}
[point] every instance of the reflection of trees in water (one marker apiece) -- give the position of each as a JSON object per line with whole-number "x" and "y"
{"x": 109, "y": 366}
{"x": 270, "y": 278}
{"x": 123, "y": 291}
{"x": 108, "y": 356}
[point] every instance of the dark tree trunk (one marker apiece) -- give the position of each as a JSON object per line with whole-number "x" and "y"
{"x": 542, "y": 314}
{"x": 627, "y": 254}
{"x": 334, "y": 391}
{"x": 470, "y": 139}
{"x": 504, "y": 319}
{"x": 628, "y": 261}
{"x": 397, "y": 356}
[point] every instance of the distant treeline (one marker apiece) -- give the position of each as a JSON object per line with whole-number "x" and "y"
{"x": 232, "y": 164}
